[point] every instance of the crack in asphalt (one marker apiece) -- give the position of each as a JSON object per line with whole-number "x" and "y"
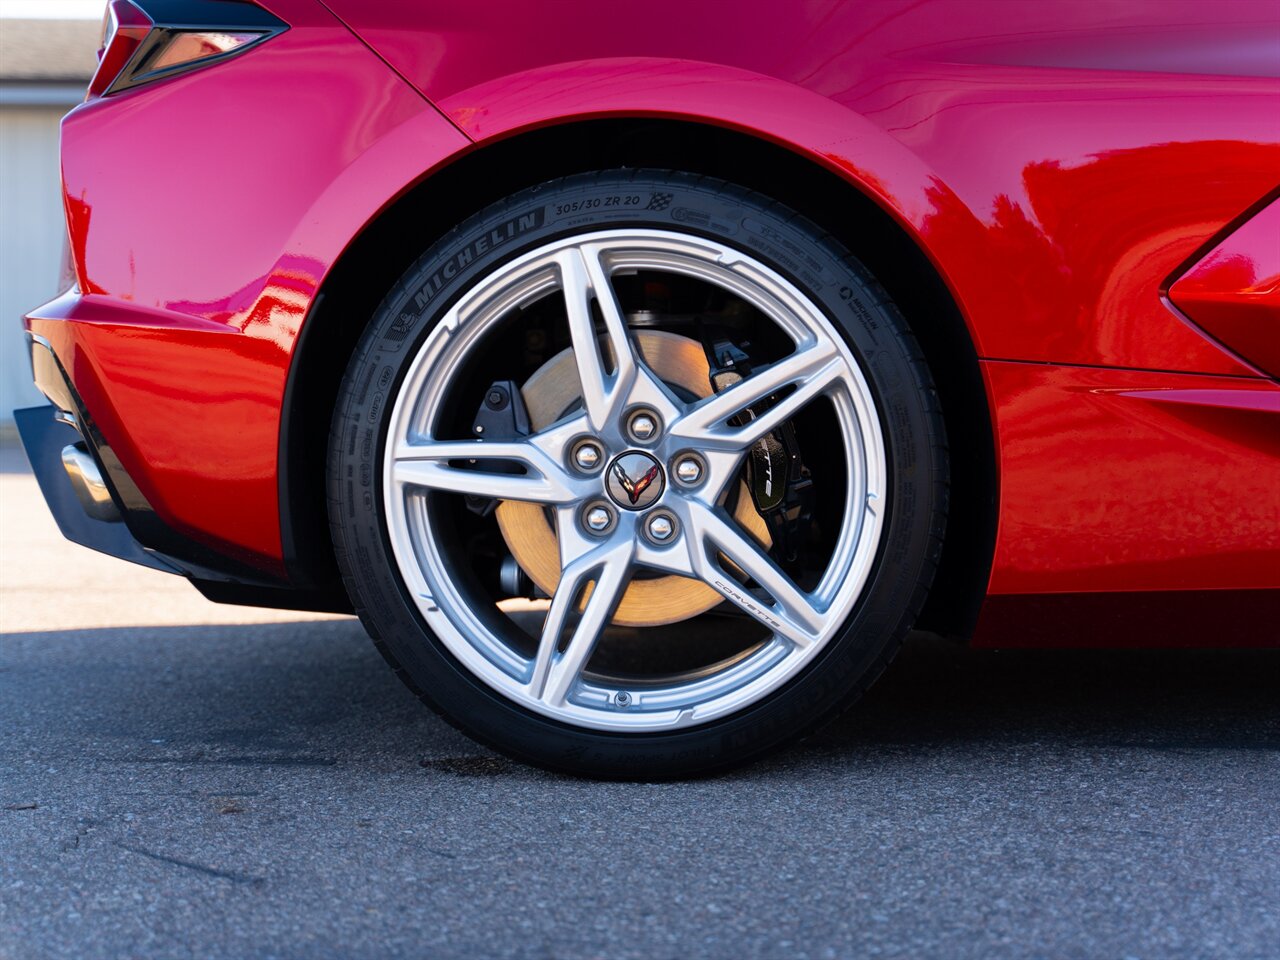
{"x": 231, "y": 761}
{"x": 197, "y": 867}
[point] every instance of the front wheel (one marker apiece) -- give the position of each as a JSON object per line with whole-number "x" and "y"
{"x": 637, "y": 474}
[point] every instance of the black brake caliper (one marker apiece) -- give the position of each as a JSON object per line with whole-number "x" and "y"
{"x": 501, "y": 416}
{"x": 780, "y": 485}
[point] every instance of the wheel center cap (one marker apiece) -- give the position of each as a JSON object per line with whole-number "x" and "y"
{"x": 634, "y": 480}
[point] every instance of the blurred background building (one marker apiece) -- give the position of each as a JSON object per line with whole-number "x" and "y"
{"x": 45, "y": 67}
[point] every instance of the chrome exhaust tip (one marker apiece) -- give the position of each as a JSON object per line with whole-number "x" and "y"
{"x": 86, "y": 480}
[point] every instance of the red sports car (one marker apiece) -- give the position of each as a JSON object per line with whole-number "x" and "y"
{"x": 642, "y": 373}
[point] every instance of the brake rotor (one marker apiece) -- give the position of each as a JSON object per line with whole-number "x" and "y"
{"x": 548, "y": 394}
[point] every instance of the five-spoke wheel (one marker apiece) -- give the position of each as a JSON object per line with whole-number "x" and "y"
{"x": 627, "y": 509}
{"x": 634, "y": 481}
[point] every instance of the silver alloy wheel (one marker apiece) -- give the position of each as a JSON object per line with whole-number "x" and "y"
{"x": 554, "y": 681}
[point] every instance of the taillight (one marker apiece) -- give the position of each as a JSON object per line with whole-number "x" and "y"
{"x": 145, "y": 40}
{"x": 124, "y": 28}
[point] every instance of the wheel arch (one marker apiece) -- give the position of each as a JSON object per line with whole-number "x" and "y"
{"x": 379, "y": 254}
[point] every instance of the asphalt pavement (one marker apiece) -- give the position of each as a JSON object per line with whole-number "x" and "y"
{"x": 179, "y": 779}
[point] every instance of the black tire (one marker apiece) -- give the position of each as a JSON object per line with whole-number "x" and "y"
{"x": 891, "y": 361}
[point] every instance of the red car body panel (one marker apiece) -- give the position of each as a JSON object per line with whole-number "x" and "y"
{"x": 1088, "y": 186}
{"x": 1126, "y": 480}
{"x": 1062, "y": 166}
{"x": 199, "y": 256}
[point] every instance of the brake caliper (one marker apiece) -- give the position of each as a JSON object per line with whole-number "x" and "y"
{"x": 780, "y": 484}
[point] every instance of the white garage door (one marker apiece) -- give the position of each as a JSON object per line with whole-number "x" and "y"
{"x": 31, "y": 238}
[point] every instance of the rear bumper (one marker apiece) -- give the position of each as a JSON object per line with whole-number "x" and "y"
{"x": 96, "y": 503}
{"x": 46, "y": 434}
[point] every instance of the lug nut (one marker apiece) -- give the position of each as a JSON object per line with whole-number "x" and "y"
{"x": 661, "y": 527}
{"x": 587, "y": 456}
{"x": 598, "y": 519}
{"x": 643, "y": 426}
{"x": 688, "y": 470}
